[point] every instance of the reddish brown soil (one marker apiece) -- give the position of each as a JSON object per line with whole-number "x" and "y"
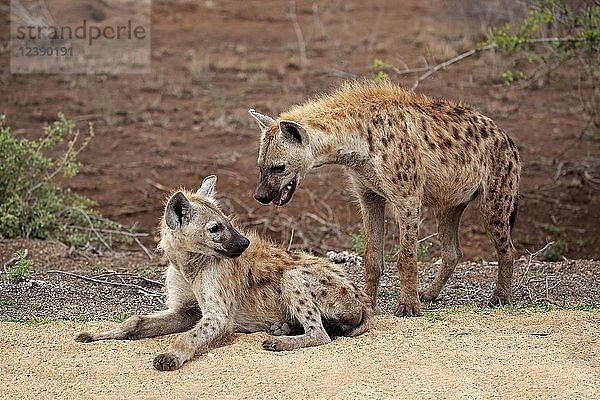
{"x": 213, "y": 60}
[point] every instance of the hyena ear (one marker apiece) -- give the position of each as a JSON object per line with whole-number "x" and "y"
{"x": 264, "y": 121}
{"x": 207, "y": 189}
{"x": 294, "y": 131}
{"x": 178, "y": 212}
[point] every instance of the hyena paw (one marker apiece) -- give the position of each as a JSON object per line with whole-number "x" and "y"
{"x": 427, "y": 296}
{"x": 274, "y": 344}
{"x": 167, "y": 362}
{"x": 408, "y": 309}
{"x": 84, "y": 337}
{"x": 500, "y": 298}
{"x": 282, "y": 328}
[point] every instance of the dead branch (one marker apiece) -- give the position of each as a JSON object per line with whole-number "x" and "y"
{"x": 298, "y": 31}
{"x": 427, "y": 237}
{"x": 530, "y": 259}
{"x": 546, "y": 300}
{"x": 141, "y": 289}
{"x": 157, "y": 185}
{"x": 432, "y": 70}
{"x": 291, "y": 239}
{"x": 123, "y": 232}
{"x": 135, "y": 276}
{"x": 144, "y": 248}
{"x": 451, "y": 61}
{"x": 93, "y": 228}
{"x": 113, "y": 231}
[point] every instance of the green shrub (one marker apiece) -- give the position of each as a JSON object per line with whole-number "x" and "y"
{"x": 553, "y": 229}
{"x": 380, "y": 65}
{"x": 32, "y": 203}
{"x": 556, "y": 33}
{"x": 423, "y": 251}
{"x": 554, "y": 252}
{"x": 18, "y": 270}
{"x": 358, "y": 243}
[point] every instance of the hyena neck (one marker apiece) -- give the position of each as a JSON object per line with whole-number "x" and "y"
{"x": 342, "y": 146}
{"x": 332, "y": 138}
{"x": 187, "y": 262}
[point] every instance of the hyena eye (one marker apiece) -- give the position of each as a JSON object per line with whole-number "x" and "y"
{"x": 214, "y": 227}
{"x": 279, "y": 168}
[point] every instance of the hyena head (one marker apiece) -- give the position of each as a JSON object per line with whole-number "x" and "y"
{"x": 195, "y": 223}
{"x": 284, "y": 159}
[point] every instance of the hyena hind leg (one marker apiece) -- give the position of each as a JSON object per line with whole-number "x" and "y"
{"x": 301, "y": 302}
{"x": 145, "y": 326}
{"x": 448, "y": 220}
{"x": 496, "y": 217}
{"x": 285, "y": 327}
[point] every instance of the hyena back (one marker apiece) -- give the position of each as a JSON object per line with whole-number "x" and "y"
{"x": 219, "y": 282}
{"x": 406, "y": 150}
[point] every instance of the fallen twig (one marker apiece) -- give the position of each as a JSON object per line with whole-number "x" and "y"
{"x": 148, "y": 253}
{"x": 141, "y": 289}
{"x": 418, "y": 241}
{"x": 451, "y": 61}
{"x": 136, "y": 276}
{"x": 157, "y": 185}
{"x": 427, "y": 237}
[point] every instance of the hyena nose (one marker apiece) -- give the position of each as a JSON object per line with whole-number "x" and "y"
{"x": 262, "y": 196}
{"x": 238, "y": 245}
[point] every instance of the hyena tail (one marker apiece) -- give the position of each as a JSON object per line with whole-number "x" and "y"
{"x": 364, "y": 324}
{"x": 513, "y": 215}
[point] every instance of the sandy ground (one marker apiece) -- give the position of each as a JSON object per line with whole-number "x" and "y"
{"x": 466, "y": 355}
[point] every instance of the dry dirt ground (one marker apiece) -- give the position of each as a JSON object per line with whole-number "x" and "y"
{"x": 49, "y": 293}
{"x": 464, "y": 356}
{"x": 545, "y": 346}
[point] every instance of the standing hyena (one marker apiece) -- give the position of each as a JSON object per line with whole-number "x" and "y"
{"x": 407, "y": 150}
{"x": 219, "y": 282}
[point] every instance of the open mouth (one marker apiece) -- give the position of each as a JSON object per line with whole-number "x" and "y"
{"x": 285, "y": 194}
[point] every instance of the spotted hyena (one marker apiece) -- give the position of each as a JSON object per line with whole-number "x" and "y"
{"x": 220, "y": 281}
{"x": 406, "y": 150}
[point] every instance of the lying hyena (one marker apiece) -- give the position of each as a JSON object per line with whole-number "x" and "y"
{"x": 219, "y": 281}
{"x": 407, "y": 150}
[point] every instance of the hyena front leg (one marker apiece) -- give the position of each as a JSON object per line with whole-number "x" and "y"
{"x": 182, "y": 314}
{"x": 144, "y": 326}
{"x": 299, "y": 294}
{"x": 407, "y": 213}
{"x": 373, "y": 212}
{"x": 214, "y": 325}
